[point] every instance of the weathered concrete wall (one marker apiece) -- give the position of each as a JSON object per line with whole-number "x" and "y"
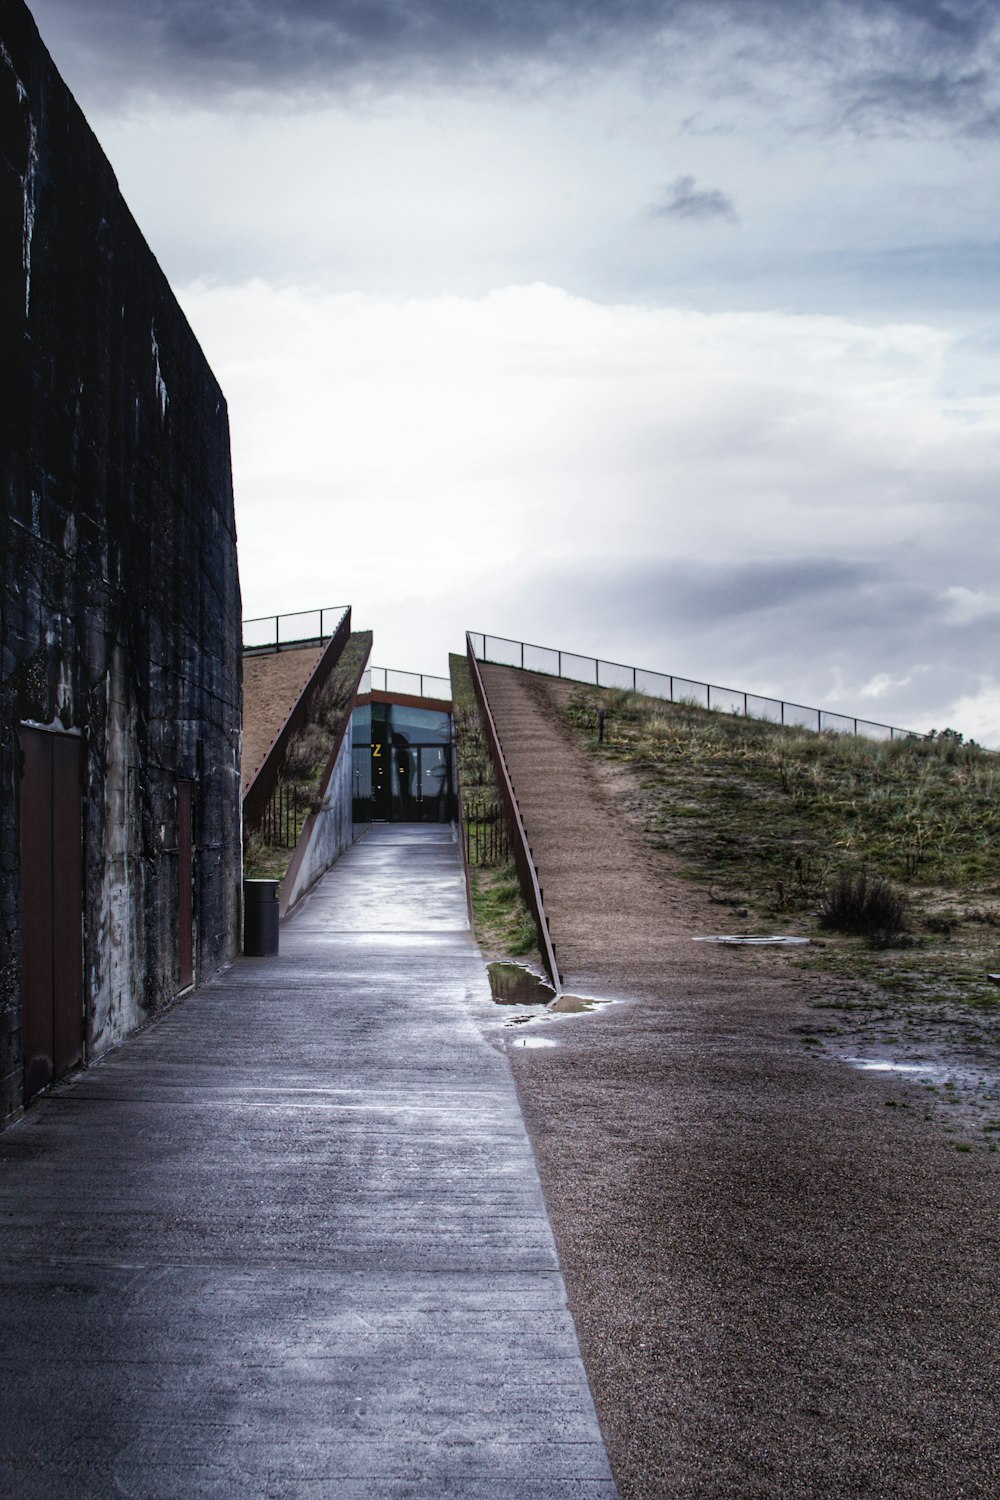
{"x": 329, "y": 832}
{"x": 121, "y": 607}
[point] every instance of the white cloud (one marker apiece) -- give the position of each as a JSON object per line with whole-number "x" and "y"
{"x": 977, "y": 715}
{"x": 425, "y": 458}
{"x": 420, "y": 193}
{"x": 968, "y": 605}
{"x": 882, "y": 684}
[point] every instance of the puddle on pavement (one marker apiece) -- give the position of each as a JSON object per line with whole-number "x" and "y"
{"x": 885, "y": 1065}
{"x": 514, "y": 984}
{"x": 951, "y": 1073}
{"x": 777, "y": 940}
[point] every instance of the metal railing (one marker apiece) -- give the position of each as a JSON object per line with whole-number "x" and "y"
{"x": 487, "y": 840}
{"x": 609, "y": 674}
{"x": 411, "y": 684}
{"x": 281, "y": 820}
{"x": 279, "y": 632}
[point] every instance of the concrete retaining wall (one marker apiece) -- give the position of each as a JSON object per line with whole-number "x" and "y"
{"x": 327, "y": 833}
{"x": 121, "y": 606}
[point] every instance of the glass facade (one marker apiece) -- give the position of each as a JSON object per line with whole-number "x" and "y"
{"x": 404, "y": 764}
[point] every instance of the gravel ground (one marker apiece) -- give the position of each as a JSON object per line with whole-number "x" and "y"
{"x": 781, "y": 1286}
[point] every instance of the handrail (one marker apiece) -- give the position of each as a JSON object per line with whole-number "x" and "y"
{"x": 279, "y": 640}
{"x": 558, "y": 663}
{"x": 260, "y": 789}
{"x": 413, "y": 684}
{"x": 527, "y": 873}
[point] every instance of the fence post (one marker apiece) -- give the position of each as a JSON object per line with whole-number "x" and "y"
{"x": 634, "y": 680}
{"x": 522, "y": 656}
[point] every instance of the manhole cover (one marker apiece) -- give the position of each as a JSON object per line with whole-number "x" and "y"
{"x": 778, "y": 940}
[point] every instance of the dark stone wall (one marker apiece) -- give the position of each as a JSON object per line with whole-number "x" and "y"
{"x": 121, "y": 606}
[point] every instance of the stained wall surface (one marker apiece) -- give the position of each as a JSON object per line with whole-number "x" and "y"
{"x": 329, "y": 833}
{"x": 121, "y": 608}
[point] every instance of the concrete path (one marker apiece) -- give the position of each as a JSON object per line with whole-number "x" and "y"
{"x": 290, "y": 1241}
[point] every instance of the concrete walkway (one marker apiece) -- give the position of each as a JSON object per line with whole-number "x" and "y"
{"x": 290, "y": 1241}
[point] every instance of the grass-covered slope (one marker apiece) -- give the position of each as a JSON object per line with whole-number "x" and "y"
{"x": 307, "y": 756}
{"x": 779, "y": 824}
{"x": 504, "y": 926}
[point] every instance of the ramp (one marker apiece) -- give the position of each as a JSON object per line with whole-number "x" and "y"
{"x": 291, "y": 1240}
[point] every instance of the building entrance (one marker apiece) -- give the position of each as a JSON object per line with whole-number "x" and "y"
{"x": 403, "y": 764}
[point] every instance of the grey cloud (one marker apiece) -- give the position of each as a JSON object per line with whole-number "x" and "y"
{"x": 700, "y": 592}
{"x": 787, "y": 627}
{"x": 943, "y": 54}
{"x": 683, "y": 199}
{"x": 892, "y": 100}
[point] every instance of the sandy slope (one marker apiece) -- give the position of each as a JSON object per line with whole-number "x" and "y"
{"x": 271, "y": 688}
{"x": 782, "y": 1287}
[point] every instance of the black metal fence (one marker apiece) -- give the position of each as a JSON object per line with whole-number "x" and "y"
{"x": 282, "y": 818}
{"x": 487, "y": 840}
{"x": 407, "y": 684}
{"x": 610, "y": 674}
{"x": 276, "y": 632}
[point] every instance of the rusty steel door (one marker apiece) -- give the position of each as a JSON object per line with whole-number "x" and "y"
{"x": 51, "y": 906}
{"x": 185, "y": 885}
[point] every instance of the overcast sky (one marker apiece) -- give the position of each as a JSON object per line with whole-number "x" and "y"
{"x": 665, "y": 330}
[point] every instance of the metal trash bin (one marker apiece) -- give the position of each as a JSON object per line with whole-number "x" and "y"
{"x": 260, "y": 918}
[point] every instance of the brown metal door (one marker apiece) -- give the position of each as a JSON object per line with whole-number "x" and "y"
{"x": 185, "y": 885}
{"x": 51, "y": 907}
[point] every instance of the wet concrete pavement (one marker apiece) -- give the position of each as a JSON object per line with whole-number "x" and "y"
{"x": 290, "y": 1241}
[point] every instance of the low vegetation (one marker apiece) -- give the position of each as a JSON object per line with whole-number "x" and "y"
{"x": 504, "y": 926}
{"x": 884, "y": 853}
{"x": 866, "y": 905}
{"x": 775, "y": 817}
{"x": 306, "y": 758}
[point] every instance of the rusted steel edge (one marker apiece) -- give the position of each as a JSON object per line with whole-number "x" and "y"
{"x": 460, "y": 832}
{"x": 261, "y": 788}
{"x": 460, "y": 825}
{"x": 527, "y": 873}
{"x": 302, "y": 842}
{"x": 409, "y": 700}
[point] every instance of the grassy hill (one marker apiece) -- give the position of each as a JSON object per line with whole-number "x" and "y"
{"x": 789, "y": 831}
